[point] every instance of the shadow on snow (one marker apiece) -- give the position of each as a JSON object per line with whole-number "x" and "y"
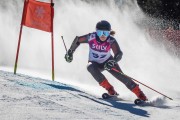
{"x": 121, "y": 105}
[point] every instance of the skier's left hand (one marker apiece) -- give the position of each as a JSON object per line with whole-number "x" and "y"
{"x": 69, "y": 56}
{"x": 110, "y": 64}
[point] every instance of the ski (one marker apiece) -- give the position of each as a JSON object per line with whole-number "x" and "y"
{"x": 107, "y": 96}
{"x": 140, "y": 102}
{"x": 137, "y": 102}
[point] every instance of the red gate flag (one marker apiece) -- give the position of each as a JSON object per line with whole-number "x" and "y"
{"x": 38, "y": 15}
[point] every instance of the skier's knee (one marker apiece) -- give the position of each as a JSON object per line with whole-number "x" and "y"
{"x": 131, "y": 85}
{"x": 90, "y": 67}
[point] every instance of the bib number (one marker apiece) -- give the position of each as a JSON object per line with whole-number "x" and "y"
{"x": 98, "y": 56}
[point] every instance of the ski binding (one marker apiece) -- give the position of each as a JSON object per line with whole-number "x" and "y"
{"x": 107, "y": 96}
{"x": 139, "y": 101}
{"x": 143, "y": 103}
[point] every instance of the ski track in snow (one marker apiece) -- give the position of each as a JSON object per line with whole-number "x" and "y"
{"x": 24, "y": 97}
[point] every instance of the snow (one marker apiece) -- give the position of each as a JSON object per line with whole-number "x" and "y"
{"x": 24, "y": 97}
{"x": 75, "y": 95}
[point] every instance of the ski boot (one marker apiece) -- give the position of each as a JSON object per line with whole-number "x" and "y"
{"x": 137, "y": 91}
{"x": 105, "y": 84}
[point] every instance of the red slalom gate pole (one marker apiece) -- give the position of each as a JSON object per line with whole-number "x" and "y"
{"x": 17, "y": 53}
{"x": 52, "y": 38}
{"x": 141, "y": 83}
{"x": 19, "y": 41}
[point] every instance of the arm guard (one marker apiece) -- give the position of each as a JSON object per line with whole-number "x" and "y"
{"x": 75, "y": 44}
{"x": 78, "y": 40}
{"x": 117, "y": 51}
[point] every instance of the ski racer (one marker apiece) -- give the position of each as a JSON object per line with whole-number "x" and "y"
{"x": 100, "y": 58}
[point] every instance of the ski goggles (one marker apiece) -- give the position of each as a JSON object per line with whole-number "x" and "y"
{"x": 102, "y": 32}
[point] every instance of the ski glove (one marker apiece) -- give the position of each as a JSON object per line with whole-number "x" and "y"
{"x": 110, "y": 64}
{"x": 69, "y": 56}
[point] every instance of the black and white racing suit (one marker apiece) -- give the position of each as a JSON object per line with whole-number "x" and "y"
{"x": 99, "y": 54}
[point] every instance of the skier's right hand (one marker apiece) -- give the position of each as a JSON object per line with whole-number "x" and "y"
{"x": 69, "y": 56}
{"x": 109, "y": 65}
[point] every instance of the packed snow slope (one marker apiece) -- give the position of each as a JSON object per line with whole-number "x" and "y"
{"x": 143, "y": 58}
{"x": 24, "y": 97}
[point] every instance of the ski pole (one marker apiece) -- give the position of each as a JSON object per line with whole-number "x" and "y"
{"x": 64, "y": 44}
{"x": 141, "y": 83}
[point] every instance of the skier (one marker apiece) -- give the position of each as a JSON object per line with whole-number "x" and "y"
{"x": 100, "y": 58}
